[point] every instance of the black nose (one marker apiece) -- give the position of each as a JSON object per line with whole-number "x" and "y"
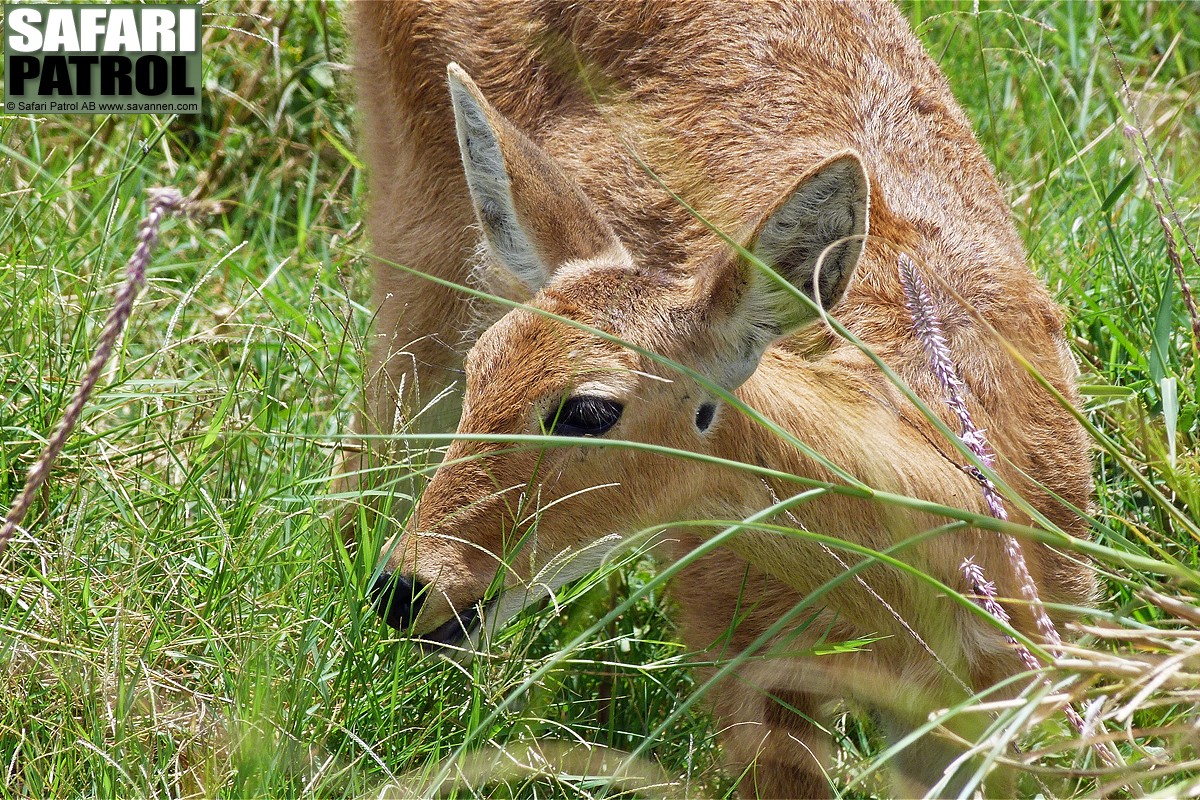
{"x": 397, "y": 599}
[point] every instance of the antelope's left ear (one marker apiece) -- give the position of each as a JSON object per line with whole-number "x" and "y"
{"x": 813, "y": 238}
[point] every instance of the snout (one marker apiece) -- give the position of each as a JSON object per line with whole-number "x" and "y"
{"x": 398, "y": 599}
{"x": 437, "y": 588}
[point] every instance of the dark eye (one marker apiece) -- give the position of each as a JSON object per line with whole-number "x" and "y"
{"x": 583, "y": 416}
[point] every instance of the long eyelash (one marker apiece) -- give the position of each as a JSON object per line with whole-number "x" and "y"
{"x": 583, "y": 416}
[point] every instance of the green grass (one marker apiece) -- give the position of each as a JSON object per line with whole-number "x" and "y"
{"x": 181, "y": 618}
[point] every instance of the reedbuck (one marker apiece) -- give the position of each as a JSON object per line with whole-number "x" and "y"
{"x": 545, "y": 152}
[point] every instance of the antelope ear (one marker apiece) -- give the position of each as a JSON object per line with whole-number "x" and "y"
{"x": 534, "y": 217}
{"x": 813, "y": 239}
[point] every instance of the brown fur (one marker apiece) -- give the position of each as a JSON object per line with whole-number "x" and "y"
{"x": 729, "y": 104}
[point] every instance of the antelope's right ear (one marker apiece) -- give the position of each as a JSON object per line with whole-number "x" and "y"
{"x": 534, "y": 217}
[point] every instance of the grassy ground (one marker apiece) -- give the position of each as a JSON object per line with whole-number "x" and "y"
{"x": 180, "y": 619}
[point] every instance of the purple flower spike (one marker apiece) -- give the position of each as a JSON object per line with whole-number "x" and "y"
{"x": 928, "y": 328}
{"x": 162, "y": 203}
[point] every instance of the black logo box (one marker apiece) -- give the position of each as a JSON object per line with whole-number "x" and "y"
{"x": 152, "y": 62}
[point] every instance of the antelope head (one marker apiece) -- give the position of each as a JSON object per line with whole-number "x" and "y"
{"x": 503, "y": 523}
